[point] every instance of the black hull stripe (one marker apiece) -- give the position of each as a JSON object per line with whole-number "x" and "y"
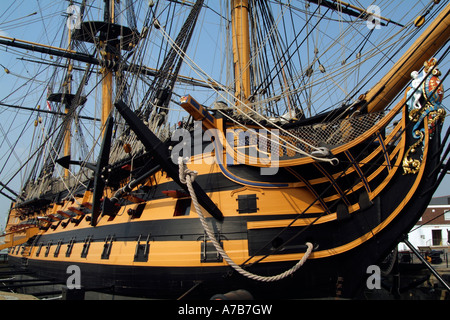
{"x": 233, "y": 228}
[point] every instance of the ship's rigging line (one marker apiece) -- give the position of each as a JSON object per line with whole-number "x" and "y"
{"x": 379, "y": 48}
{"x": 427, "y": 222}
{"x": 48, "y": 139}
{"x": 38, "y": 111}
{"x": 337, "y": 72}
{"x": 281, "y": 60}
{"x": 171, "y": 64}
{"x": 45, "y": 111}
{"x": 48, "y": 163}
{"x": 17, "y": 141}
{"x": 49, "y": 147}
{"x": 120, "y": 90}
{"x": 390, "y": 49}
{"x": 308, "y": 68}
{"x": 200, "y": 72}
{"x": 301, "y": 88}
{"x": 408, "y": 36}
{"x": 370, "y": 54}
{"x": 135, "y": 54}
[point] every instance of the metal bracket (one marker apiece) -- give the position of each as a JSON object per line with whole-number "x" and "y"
{"x": 107, "y": 247}
{"x": 142, "y": 250}
{"x": 86, "y": 245}
{"x": 209, "y": 252}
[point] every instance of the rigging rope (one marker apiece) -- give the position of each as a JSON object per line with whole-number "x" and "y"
{"x": 287, "y": 144}
{"x": 161, "y": 88}
{"x": 187, "y": 176}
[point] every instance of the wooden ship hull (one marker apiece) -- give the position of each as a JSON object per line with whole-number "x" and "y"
{"x": 341, "y": 214}
{"x": 157, "y": 247}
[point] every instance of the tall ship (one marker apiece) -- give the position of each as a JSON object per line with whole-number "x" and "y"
{"x": 179, "y": 149}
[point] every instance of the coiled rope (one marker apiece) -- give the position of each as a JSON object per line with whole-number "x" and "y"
{"x": 187, "y": 176}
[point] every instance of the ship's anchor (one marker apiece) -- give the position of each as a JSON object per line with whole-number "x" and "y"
{"x": 160, "y": 152}
{"x": 99, "y": 180}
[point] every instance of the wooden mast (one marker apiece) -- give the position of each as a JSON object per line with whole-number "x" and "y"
{"x": 423, "y": 49}
{"x": 107, "y": 72}
{"x": 241, "y": 50}
{"x": 68, "y": 84}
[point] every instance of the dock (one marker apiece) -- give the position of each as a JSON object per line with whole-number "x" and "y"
{"x": 16, "y": 296}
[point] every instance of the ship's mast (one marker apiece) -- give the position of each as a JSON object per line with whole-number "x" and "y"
{"x": 241, "y": 50}
{"x": 68, "y": 84}
{"x": 107, "y": 72}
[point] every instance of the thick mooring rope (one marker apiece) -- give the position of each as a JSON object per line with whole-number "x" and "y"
{"x": 187, "y": 176}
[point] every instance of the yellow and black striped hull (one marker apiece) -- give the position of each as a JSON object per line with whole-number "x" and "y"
{"x": 354, "y": 214}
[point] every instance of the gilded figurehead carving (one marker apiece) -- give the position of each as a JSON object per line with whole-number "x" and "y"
{"x": 424, "y": 101}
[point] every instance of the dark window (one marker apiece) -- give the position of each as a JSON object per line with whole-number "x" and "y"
{"x": 437, "y": 237}
{"x": 182, "y": 208}
{"x": 247, "y": 203}
{"x": 209, "y": 252}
